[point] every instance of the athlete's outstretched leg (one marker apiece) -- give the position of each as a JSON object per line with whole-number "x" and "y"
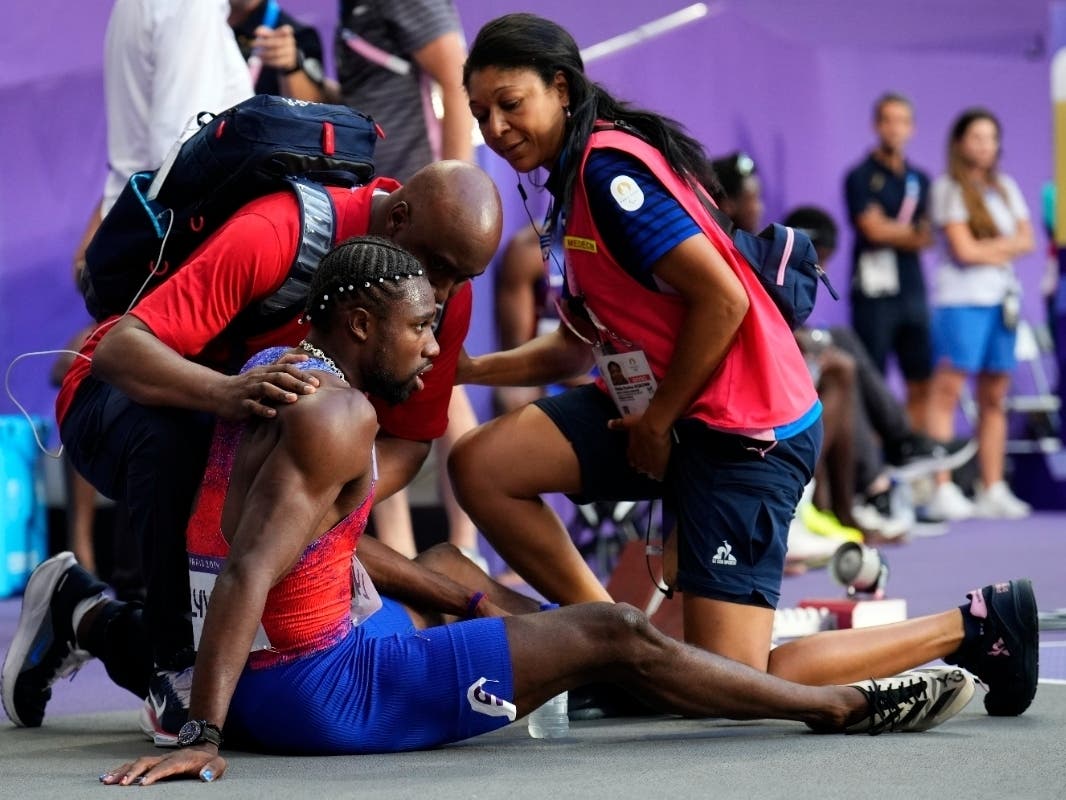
{"x": 561, "y": 649}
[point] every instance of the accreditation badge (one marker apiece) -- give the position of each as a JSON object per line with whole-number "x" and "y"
{"x": 628, "y": 378}
{"x": 878, "y": 273}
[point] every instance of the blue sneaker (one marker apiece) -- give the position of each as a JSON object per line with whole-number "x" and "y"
{"x": 44, "y": 648}
{"x": 1005, "y": 656}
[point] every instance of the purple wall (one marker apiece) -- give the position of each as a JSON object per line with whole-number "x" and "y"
{"x": 800, "y": 108}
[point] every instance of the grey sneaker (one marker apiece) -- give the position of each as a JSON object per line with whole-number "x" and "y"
{"x": 44, "y": 648}
{"x": 914, "y": 701}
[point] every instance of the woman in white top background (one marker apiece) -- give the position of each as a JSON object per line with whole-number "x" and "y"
{"x": 984, "y": 225}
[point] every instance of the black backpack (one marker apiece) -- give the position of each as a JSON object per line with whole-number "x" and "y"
{"x": 259, "y": 146}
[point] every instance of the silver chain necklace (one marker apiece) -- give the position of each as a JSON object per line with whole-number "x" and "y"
{"x": 331, "y": 366}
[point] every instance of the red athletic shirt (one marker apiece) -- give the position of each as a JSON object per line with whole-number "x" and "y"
{"x": 247, "y": 260}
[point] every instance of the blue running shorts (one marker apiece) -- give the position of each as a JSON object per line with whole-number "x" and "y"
{"x": 379, "y": 694}
{"x": 391, "y": 618}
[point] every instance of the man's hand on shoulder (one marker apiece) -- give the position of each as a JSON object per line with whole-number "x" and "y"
{"x": 261, "y": 390}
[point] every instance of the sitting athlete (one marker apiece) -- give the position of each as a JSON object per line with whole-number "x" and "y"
{"x": 281, "y": 508}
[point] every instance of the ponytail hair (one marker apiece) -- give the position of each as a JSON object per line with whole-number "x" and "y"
{"x": 982, "y": 226}
{"x": 527, "y": 41}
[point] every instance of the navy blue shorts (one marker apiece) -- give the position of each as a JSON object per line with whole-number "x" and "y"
{"x": 374, "y": 693}
{"x": 733, "y": 498}
{"x": 899, "y": 325}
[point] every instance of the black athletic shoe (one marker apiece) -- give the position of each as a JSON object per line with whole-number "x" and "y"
{"x": 44, "y": 648}
{"x": 1005, "y": 656}
{"x": 605, "y": 701}
{"x": 914, "y": 701}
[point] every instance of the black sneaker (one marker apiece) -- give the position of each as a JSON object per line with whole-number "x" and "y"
{"x": 44, "y": 648}
{"x": 166, "y": 708}
{"x": 1005, "y": 657}
{"x": 605, "y": 701}
{"x": 917, "y": 455}
{"x": 914, "y": 701}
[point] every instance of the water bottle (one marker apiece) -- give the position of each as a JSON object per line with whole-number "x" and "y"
{"x": 550, "y": 721}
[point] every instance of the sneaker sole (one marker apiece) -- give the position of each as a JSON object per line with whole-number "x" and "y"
{"x": 153, "y": 731}
{"x": 999, "y": 513}
{"x": 36, "y": 603}
{"x": 928, "y": 466}
{"x": 1027, "y": 622}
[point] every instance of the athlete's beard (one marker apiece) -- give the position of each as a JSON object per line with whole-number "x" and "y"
{"x": 385, "y": 385}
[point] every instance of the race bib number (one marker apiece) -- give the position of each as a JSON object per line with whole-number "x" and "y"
{"x": 203, "y": 572}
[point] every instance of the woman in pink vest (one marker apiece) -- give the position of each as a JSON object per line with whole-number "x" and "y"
{"x": 717, "y": 414}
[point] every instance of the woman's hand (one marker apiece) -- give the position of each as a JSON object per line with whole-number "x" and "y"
{"x": 200, "y": 761}
{"x": 648, "y": 450}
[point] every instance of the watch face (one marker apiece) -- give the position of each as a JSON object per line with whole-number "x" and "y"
{"x": 313, "y": 68}
{"x": 189, "y": 732}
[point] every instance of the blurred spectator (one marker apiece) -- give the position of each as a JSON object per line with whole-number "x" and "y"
{"x": 887, "y": 201}
{"x": 284, "y": 55}
{"x": 527, "y": 289}
{"x": 984, "y": 225}
{"x": 395, "y": 58}
{"x": 390, "y": 53}
{"x": 741, "y": 198}
{"x": 883, "y": 434}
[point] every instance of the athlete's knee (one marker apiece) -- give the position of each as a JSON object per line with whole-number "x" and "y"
{"x": 441, "y": 558}
{"x": 633, "y": 620}
{"x": 468, "y": 467}
{"x": 621, "y": 624}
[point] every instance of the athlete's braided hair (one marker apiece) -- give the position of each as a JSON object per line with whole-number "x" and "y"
{"x": 364, "y": 270}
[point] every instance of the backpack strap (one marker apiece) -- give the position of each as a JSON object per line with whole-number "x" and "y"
{"x": 317, "y": 229}
{"x": 318, "y": 225}
{"x": 720, "y": 217}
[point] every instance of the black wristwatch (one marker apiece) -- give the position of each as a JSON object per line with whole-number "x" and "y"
{"x": 199, "y": 730}
{"x": 311, "y": 67}
{"x": 299, "y": 63}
